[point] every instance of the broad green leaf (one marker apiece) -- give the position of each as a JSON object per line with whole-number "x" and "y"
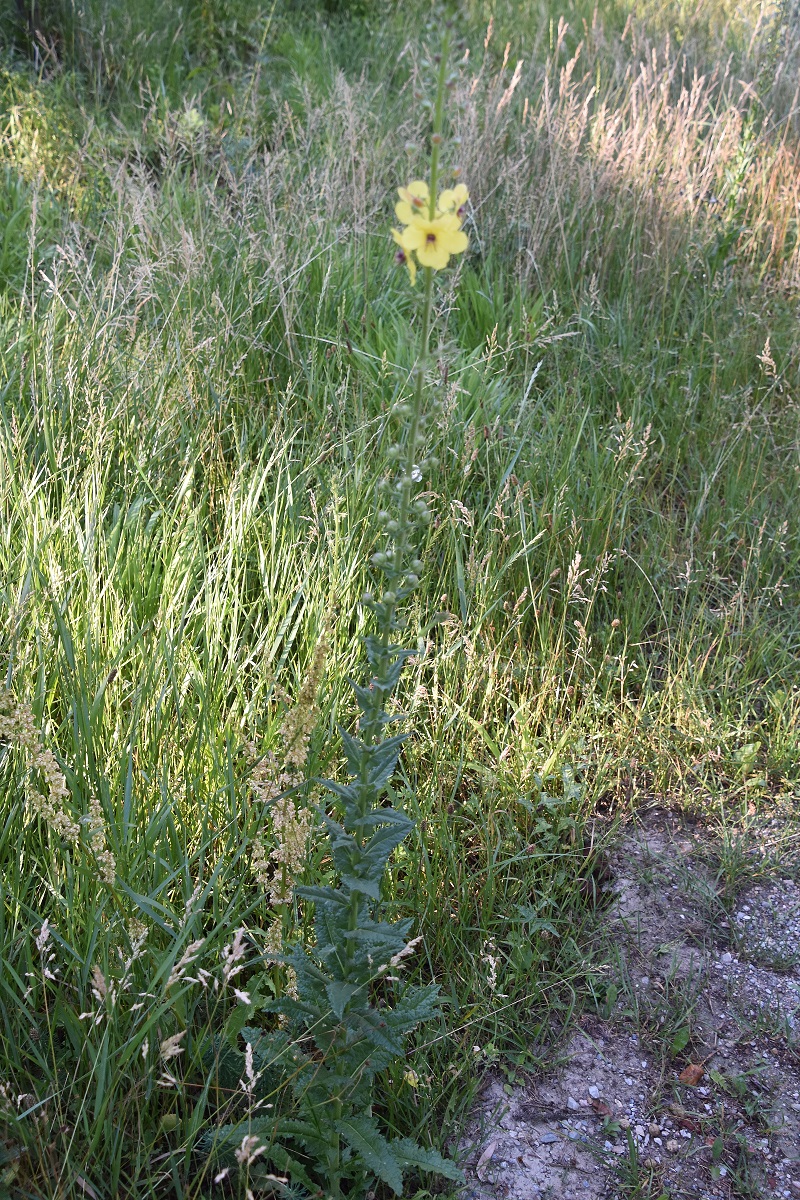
{"x": 363, "y": 1136}
{"x": 412, "y": 1155}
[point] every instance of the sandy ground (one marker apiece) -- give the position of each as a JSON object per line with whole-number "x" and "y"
{"x": 616, "y": 1117}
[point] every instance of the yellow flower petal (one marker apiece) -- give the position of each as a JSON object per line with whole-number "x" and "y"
{"x": 430, "y": 254}
{"x": 404, "y": 212}
{"x": 418, "y": 188}
{"x": 452, "y": 199}
{"x": 413, "y": 236}
{"x": 456, "y": 242}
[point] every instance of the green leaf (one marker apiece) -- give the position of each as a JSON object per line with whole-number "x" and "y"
{"x": 322, "y": 895}
{"x": 680, "y": 1040}
{"x": 367, "y": 887}
{"x": 413, "y": 1007}
{"x": 412, "y": 1155}
{"x": 340, "y": 994}
{"x": 363, "y": 1136}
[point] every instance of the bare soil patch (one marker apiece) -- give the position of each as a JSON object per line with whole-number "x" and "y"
{"x": 686, "y": 1082}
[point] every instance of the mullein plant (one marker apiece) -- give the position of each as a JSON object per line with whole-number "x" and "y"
{"x": 347, "y": 1016}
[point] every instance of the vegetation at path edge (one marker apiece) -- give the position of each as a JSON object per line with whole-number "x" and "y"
{"x": 204, "y": 336}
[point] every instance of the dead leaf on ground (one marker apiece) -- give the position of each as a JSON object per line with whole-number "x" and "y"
{"x": 692, "y": 1074}
{"x": 483, "y": 1160}
{"x": 601, "y": 1108}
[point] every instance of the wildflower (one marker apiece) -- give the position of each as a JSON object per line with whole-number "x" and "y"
{"x": 409, "y": 948}
{"x": 414, "y": 200}
{"x": 434, "y": 240}
{"x": 273, "y": 942}
{"x": 404, "y": 259}
{"x": 454, "y": 200}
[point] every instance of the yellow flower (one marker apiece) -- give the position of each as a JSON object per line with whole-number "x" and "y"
{"x": 404, "y": 257}
{"x": 433, "y": 241}
{"x": 413, "y": 201}
{"x": 453, "y": 199}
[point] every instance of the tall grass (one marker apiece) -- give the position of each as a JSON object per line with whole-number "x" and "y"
{"x": 201, "y": 336}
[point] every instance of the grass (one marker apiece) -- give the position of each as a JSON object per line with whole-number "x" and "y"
{"x": 202, "y": 331}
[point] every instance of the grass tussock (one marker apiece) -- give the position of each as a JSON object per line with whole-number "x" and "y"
{"x": 202, "y": 331}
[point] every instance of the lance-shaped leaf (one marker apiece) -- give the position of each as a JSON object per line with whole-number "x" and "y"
{"x": 340, "y": 994}
{"x": 372, "y": 764}
{"x": 411, "y": 1155}
{"x": 362, "y": 1136}
{"x": 414, "y": 1006}
{"x": 377, "y": 650}
{"x": 322, "y": 895}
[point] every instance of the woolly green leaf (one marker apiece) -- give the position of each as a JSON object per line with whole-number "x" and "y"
{"x": 340, "y": 994}
{"x": 322, "y": 895}
{"x": 362, "y": 1136}
{"x": 413, "y": 1007}
{"x": 367, "y": 887}
{"x": 412, "y": 1155}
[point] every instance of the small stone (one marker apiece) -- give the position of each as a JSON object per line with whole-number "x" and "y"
{"x": 547, "y": 1139}
{"x": 594, "y": 1091}
{"x": 673, "y": 1146}
{"x": 727, "y": 957}
{"x": 572, "y": 1105}
{"x": 624, "y": 1123}
{"x": 654, "y": 1129}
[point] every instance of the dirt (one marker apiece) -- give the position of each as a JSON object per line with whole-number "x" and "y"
{"x": 694, "y": 982}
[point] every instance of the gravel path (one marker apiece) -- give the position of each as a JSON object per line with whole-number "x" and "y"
{"x": 621, "y": 1116}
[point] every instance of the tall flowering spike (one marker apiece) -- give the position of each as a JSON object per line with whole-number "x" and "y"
{"x": 328, "y": 1004}
{"x": 432, "y": 232}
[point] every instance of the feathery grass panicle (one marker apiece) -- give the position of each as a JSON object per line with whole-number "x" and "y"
{"x": 50, "y": 802}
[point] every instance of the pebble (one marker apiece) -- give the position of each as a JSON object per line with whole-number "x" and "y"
{"x": 572, "y": 1104}
{"x": 594, "y": 1091}
{"x": 547, "y": 1139}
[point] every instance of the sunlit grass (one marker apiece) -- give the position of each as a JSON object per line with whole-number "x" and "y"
{"x": 200, "y": 335}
